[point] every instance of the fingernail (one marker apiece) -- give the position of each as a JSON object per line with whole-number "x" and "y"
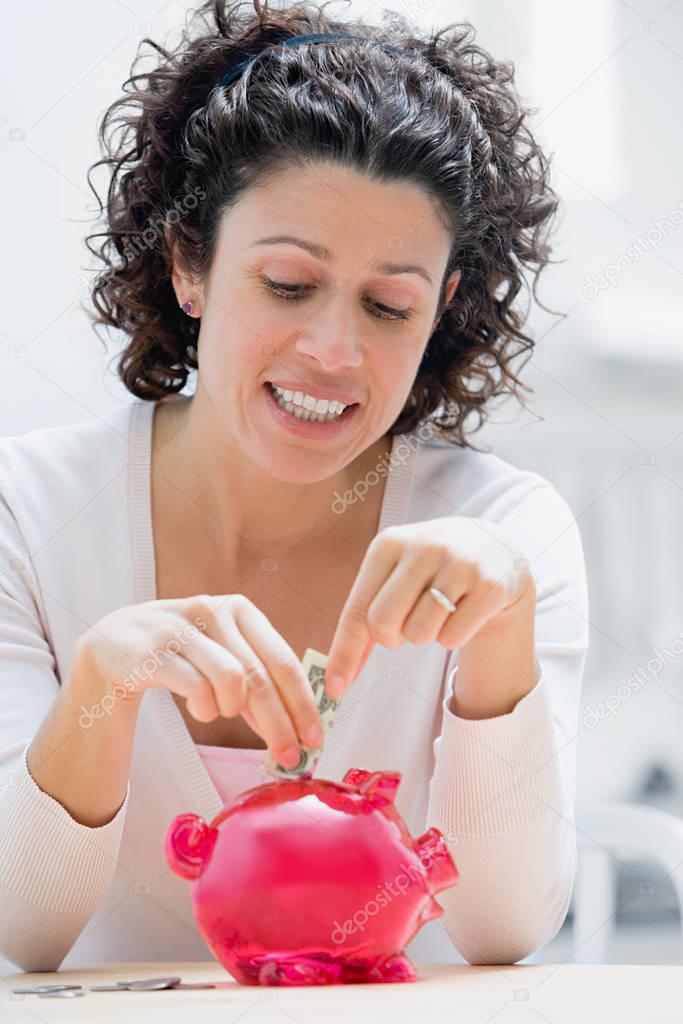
{"x": 290, "y": 757}
{"x": 314, "y": 736}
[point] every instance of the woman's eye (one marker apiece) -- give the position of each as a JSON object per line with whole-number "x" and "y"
{"x": 293, "y": 292}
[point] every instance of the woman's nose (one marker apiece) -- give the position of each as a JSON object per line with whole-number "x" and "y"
{"x": 332, "y": 339}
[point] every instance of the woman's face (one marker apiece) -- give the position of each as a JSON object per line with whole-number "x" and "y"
{"x": 325, "y": 314}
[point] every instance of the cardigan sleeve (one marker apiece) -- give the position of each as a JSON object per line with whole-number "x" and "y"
{"x": 503, "y": 788}
{"x": 54, "y": 870}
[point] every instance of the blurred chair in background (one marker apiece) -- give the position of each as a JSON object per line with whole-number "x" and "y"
{"x": 609, "y": 832}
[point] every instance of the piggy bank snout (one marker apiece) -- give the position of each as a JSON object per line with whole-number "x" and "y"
{"x": 435, "y": 857}
{"x": 188, "y": 845}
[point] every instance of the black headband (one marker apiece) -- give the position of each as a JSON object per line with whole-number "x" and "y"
{"x": 316, "y": 37}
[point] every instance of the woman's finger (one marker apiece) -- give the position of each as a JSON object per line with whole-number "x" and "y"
{"x": 285, "y": 669}
{"x": 474, "y": 610}
{"x": 400, "y": 593}
{"x": 352, "y": 635}
{"x": 264, "y": 699}
{"x": 174, "y": 673}
{"x": 224, "y": 690}
{"x": 427, "y": 617}
{"x": 251, "y": 721}
{"x": 273, "y": 686}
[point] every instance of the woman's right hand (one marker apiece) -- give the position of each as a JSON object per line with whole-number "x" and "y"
{"x": 219, "y": 652}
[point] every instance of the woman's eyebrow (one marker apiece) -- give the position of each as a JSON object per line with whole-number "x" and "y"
{"x": 321, "y": 253}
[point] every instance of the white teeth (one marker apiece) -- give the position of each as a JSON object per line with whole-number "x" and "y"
{"x": 308, "y": 408}
{"x": 316, "y": 408}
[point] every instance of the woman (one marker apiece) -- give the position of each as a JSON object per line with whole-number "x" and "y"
{"x": 332, "y": 231}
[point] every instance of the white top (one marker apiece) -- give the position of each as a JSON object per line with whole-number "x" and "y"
{"x": 76, "y": 543}
{"x": 232, "y": 769}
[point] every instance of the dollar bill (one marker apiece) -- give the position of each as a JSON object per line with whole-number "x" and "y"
{"x": 314, "y": 664}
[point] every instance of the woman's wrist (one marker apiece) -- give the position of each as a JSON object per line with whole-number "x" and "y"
{"x": 498, "y": 666}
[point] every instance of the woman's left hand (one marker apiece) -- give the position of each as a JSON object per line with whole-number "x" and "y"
{"x": 472, "y": 561}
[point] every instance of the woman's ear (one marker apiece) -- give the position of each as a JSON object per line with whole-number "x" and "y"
{"x": 185, "y": 287}
{"x": 451, "y": 287}
{"x": 453, "y": 282}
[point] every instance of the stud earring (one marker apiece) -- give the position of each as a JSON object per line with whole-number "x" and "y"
{"x": 187, "y": 308}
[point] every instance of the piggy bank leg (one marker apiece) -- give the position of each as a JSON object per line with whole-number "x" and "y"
{"x": 298, "y": 969}
{"x": 311, "y": 971}
{"x": 287, "y": 969}
{"x": 363, "y": 970}
{"x": 392, "y": 968}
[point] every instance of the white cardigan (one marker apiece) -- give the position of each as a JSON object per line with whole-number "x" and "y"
{"x": 76, "y": 543}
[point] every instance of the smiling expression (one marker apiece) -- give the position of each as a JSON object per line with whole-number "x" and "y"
{"x": 325, "y": 283}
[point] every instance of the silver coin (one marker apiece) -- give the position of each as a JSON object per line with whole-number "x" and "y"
{"x": 118, "y": 987}
{"x": 153, "y": 984}
{"x": 61, "y": 993}
{"x": 37, "y": 989}
{"x": 196, "y": 984}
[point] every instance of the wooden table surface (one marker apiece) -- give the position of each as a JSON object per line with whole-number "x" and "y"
{"x": 459, "y": 994}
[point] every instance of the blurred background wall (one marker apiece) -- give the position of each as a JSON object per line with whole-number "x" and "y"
{"x": 604, "y": 423}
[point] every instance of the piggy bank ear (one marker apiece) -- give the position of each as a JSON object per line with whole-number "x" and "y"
{"x": 356, "y": 777}
{"x": 383, "y": 784}
{"x": 188, "y": 845}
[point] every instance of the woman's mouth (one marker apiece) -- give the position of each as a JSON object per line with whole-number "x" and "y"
{"x": 291, "y": 413}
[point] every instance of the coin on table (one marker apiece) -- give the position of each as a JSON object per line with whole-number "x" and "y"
{"x": 61, "y": 993}
{"x": 196, "y": 984}
{"x": 37, "y": 989}
{"x": 153, "y": 984}
{"x": 139, "y": 985}
{"x": 118, "y": 987}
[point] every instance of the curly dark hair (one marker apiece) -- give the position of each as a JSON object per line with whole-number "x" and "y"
{"x": 445, "y": 116}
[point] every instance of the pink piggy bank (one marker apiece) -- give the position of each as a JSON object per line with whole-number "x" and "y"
{"x": 311, "y": 882}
